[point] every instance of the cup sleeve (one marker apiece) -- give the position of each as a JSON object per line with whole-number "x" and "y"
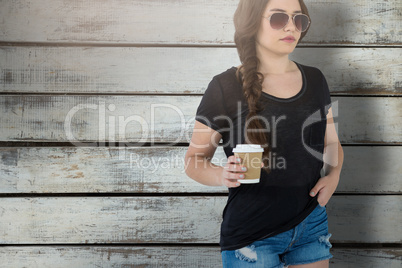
{"x": 211, "y": 110}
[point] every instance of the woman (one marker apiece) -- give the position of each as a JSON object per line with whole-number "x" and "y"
{"x": 285, "y": 107}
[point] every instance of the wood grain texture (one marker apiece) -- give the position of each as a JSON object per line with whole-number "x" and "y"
{"x": 370, "y": 258}
{"x": 175, "y": 256}
{"x": 64, "y": 220}
{"x": 161, "y": 170}
{"x": 158, "y": 70}
{"x": 161, "y": 54}
{"x": 134, "y": 120}
{"x": 176, "y": 22}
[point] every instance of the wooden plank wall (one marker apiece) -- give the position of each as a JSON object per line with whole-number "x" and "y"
{"x": 97, "y": 103}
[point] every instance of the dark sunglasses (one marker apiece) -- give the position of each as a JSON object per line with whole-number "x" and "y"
{"x": 279, "y": 20}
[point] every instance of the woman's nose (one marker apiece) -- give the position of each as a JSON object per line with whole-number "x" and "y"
{"x": 290, "y": 26}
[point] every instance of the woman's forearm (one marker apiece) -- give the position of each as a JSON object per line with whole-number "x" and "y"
{"x": 203, "y": 171}
{"x": 333, "y": 159}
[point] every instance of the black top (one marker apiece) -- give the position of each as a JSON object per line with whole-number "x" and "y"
{"x": 295, "y": 128}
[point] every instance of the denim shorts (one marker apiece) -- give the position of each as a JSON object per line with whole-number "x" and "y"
{"x": 308, "y": 242}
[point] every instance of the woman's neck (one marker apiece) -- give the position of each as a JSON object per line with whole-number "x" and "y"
{"x": 275, "y": 65}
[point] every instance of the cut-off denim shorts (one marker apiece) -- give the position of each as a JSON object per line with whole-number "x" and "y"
{"x": 308, "y": 242}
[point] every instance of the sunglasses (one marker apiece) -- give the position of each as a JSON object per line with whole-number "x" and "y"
{"x": 279, "y": 20}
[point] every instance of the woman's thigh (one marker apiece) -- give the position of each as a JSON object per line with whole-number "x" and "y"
{"x": 318, "y": 264}
{"x": 260, "y": 254}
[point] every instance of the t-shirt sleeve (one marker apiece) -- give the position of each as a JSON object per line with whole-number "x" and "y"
{"x": 211, "y": 111}
{"x": 327, "y": 96}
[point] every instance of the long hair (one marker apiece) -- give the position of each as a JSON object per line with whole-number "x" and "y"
{"x": 247, "y": 21}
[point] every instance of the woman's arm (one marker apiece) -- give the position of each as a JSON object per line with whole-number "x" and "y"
{"x": 333, "y": 152}
{"x": 198, "y": 166}
{"x": 333, "y": 160}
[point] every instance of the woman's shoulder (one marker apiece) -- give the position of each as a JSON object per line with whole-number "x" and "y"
{"x": 310, "y": 70}
{"x": 228, "y": 74}
{"x": 228, "y": 84}
{"x": 227, "y": 79}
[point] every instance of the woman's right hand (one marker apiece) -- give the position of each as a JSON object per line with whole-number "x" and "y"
{"x": 233, "y": 171}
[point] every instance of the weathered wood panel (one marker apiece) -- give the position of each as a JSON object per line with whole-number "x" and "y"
{"x": 370, "y": 258}
{"x": 100, "y": 53}
{"x": 161, "y": 170}
{"x": 365, "y": 218}
{"x": 138, "y": 119}
{"x": 352, "y": 219}
{"x": 177, "y": 70}
{"x": 180, "y": 257}
{"x": 347, "y": 71}
{"x": 176, "y": 22}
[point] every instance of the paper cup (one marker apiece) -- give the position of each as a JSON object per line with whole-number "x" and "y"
{"x": 251, "y": 154}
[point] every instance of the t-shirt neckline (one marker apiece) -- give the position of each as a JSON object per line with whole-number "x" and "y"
{"x": 293, "y": 98}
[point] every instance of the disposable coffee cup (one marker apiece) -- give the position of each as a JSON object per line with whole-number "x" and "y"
{"x": 251, "y": 154}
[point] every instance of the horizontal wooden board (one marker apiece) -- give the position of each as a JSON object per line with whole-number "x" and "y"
{"x": 180, "y": 257}
{"x": 187, "y": 22}
{"x": 139, "y": 119}
{"x": 62, "y": 220}
{"x": 368, "y": 258}
{"x": 161, "y": 170}
{"x": 158, "y": 70}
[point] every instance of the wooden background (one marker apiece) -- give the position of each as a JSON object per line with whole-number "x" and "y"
{"x": 97, "y": 104}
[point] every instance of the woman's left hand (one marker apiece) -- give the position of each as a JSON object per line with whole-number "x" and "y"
{"x": 325, "y": 188}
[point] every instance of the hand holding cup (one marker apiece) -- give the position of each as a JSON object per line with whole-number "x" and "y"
{"x": 244, "y": 166}
{"x": 232, "y": 172}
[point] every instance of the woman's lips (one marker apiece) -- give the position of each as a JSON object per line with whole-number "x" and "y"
{"x": 288, "y": 39}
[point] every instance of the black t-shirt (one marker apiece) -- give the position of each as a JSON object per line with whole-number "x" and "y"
{"x": 295, "y": 128}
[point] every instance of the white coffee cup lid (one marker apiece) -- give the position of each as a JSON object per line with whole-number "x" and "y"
{"x": 248, "y": 148}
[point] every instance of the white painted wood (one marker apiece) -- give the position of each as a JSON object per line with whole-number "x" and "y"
{"x": 97, "y": 118}
{"x": 371, "y": 219}
{"x": 112, "y": 70}
{"x": 370, "y": 258}
{"x": 371, "y": 170}
{"x": 84, "y": 119}
{"x": 187, "y": 22}
{"x": 361, "y": 120}
{"x": 158, "y": 70}
{"x": 352, "y": 219}
{"x": 110, "y": 220}
{"x": 161, "y": 170}
{"x": 101, "y": 53}
{"x": 356, "y": 71}
{"x": 181, "y": 257}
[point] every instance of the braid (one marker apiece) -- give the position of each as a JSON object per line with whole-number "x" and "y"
{"x": 252, "y": 88}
